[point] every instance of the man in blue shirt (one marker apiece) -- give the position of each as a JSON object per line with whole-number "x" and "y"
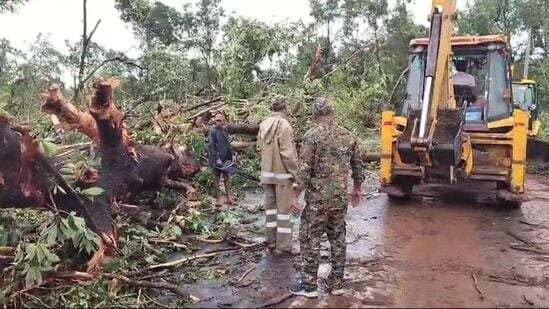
{"x": 220, "y": 155}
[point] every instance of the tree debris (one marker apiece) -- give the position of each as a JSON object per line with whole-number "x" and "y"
{"x": 475, "y": 282}
{"x": 531, "y": 303}
{"x": 75, "y": 275}
{"x": 204, "y": 255}
{"x": 277, "y": 301}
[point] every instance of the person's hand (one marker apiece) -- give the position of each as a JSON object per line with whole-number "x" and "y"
{"x": 295, "y": 197}
{"x": 355, "y": 197}
{"x": 295, "y": 206}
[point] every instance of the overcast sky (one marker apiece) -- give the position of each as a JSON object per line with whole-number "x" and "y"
{"x": 61, "y": 19}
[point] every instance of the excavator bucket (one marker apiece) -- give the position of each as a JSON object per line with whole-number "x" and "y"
{"x": 537, "y": 153}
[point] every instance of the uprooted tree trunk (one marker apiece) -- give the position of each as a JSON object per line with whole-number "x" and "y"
{"x": 156, "y": 166}
{"x": 27, "y": 179}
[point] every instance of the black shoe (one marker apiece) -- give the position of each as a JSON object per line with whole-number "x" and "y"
{"x": 299, "y": 290}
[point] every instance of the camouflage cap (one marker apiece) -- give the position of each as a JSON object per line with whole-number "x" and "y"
{"x": 279, "y": 103}
{"x": 322, "y": 107}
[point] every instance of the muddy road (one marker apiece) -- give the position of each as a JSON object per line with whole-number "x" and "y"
{"x": 437, "y": 250}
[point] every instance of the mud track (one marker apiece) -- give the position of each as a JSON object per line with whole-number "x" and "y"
{"x": 425, "y": 252}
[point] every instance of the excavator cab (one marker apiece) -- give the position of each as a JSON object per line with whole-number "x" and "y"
{"x": 525, "y": 97}
{"x": 447, "y": 132}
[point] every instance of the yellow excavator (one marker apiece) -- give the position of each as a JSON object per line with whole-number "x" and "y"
{"x": 454, "y": 127}
{"x": 525, "y": 95}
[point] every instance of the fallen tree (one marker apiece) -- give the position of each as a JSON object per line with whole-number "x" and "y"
{"x": 156, "y": 166}
{"x": 27, "y": 179}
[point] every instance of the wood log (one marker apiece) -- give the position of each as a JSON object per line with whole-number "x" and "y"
{"x": 243, "y": 129}
{"x": 242, "y": 145}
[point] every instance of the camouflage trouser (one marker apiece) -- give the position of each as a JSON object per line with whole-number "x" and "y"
{"x": 315, "y": 220}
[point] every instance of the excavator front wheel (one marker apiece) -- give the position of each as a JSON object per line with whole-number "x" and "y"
{"x": 401, "y": 188}
{"x": 507, "y": 199}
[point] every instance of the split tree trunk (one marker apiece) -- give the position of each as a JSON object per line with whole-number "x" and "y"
{"x": 156, "y": 166}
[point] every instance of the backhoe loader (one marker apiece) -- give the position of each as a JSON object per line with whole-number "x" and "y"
{"x": 525, "y": 94}
{"x": 453, "y": 133}
{"x": 525, "y": 97}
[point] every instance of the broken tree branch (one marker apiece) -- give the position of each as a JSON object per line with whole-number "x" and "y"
{"x": 245, "y": 274}
{"x": 315, "y": 59}
{"x": 185, "y": 260}
{"x": 531, "y": 303}
{"x": 199, "y": 105}
{"x": 346, "y": 61}
{"x": 54, "y": 103}
{"x": 532, "y": 224}
{"x": 244, "y": 129}
{"x": 204, "y": 255}
{"x": 521, "y": 239}
{"x": 6, "y": 250}
{"x": 204, "y": 111}
{"x": 93, "y": 31}
{"x": 277, "y": 300}
{"x": 532, "y": 250}
{"x": 135, "y": 283}
{"x": 475, "y": 282}
{"x": 104, "y": 62}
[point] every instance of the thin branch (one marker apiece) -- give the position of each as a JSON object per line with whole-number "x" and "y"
{"x": 93, "y": 31}
{"x": 206, "y": 110}
{"x": 135, "y": 283}
{"x": 475, "y": 282}
{"x": 82, "y": 64}
{"x": 346, "y": 61}
{"x": 6, "y": 250}
{"x": 277, "y": 300}
{"x": 200, "y": 256}
{"x": 116, "y": 58}
{"x": 401, "y": 76}
{"x": 188, "y": 109}
{"x": 531, "y": 303}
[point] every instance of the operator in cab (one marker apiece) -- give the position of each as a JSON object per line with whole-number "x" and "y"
{"x": 462, "y": 79}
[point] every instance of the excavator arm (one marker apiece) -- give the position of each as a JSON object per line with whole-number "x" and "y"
{"x": 438, "y": 90}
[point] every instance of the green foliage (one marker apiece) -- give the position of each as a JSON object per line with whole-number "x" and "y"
{"x": 10, "y": 5}
{"x": 230, "y": 216}
{"x": 195, "y": 222}
{"x": 3, "y": 236}
{"x": 245, "y": 45}
{"x": 35, "y": 258}
{"x": 544, "y": 130}
{"x": 47, "y": 148}
{"x": 93, "y": 192}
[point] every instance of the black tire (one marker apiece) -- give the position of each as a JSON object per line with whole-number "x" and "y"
{"x": 401, "y": 189}
{"x": 504, "y": 197}
{"x": 509, "y": 204}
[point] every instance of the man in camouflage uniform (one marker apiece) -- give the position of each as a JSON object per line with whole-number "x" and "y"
{"x": 328, "y": 153}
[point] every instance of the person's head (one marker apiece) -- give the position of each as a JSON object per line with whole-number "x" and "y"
{"x": 322, "y": 109}
{"x": 220, "y": 120}
{"x": 279, "y": 104}
{"x": 461, "y": 65}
